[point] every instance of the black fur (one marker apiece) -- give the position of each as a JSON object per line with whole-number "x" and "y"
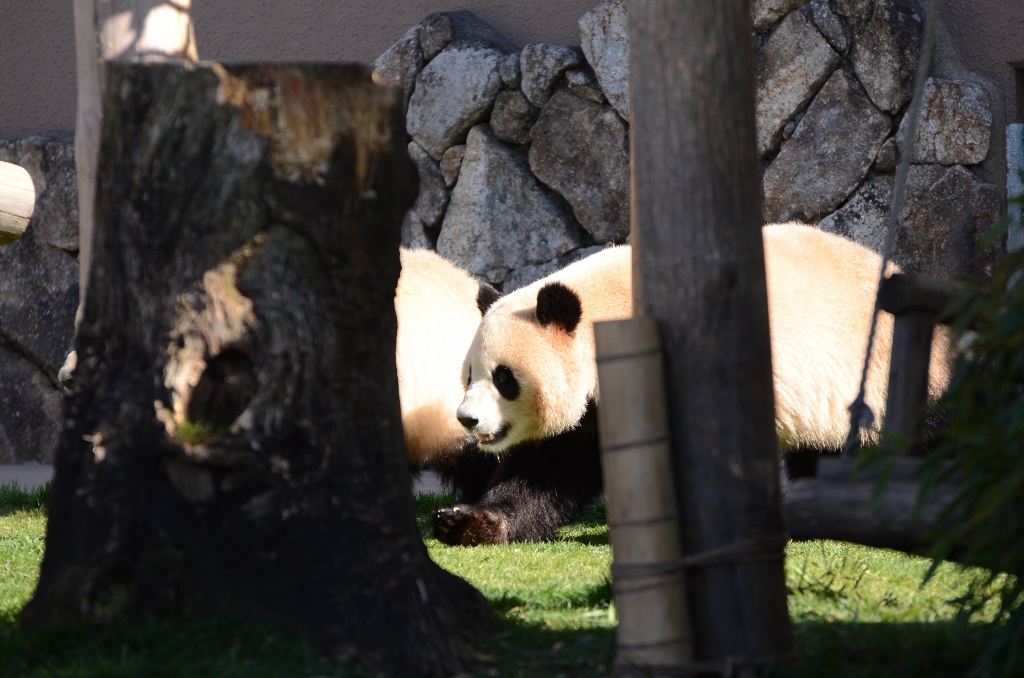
{"x": 486, "y": 296}
{"x": 532, "y": 490}
{"x": 505, "y": 381}
{"x": 558, "y": 304}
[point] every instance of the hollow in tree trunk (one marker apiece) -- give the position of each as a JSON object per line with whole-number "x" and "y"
{"x": 234, "y": 434}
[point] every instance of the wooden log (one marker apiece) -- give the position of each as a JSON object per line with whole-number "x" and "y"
{"x": 699, "y": 271}
{"x": 905, "y": 293}
{"x": 234, "y": 436}
{"x": 896, "y": 469}
{"x": 650, "y": 589}
{"x": 908, "y": 374}
{"x": 17, "y": 201}
{"x": 848, "y": 511}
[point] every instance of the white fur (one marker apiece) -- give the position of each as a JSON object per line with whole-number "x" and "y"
{"x": 821, "y": 291}
{"x": 437, "y": 319}
{"x": 556, "y": 371}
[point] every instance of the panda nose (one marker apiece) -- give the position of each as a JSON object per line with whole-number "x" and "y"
{"x": 468, "y": 422}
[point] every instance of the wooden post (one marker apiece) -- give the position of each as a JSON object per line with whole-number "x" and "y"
{"x": 108, "y": 30}
{"x": 915, "y": 302}
{"x": 699, "y": 271}
{"x": 653, "y": 634}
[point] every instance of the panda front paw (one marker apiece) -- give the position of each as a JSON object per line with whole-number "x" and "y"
{"x": 469, "y": 525}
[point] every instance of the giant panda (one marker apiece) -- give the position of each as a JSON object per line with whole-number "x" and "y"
{"x": 531, "y": 377}
{"x": 438, "y": 306}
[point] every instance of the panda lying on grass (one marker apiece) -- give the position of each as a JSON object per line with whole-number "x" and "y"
{"x": 531, "y": 380}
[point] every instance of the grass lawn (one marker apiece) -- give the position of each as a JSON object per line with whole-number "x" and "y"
{"x": 858, "y": 612}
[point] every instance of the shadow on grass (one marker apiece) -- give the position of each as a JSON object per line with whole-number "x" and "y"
{"x": 179, "y": 646}
{"x": 14, "y": 499}
{"x": 881, "y": 650}
{"x": 196, "y": 646}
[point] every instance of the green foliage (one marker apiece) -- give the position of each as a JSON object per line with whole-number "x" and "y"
{"x": 983, "y": 451}
{"x": 197, "y": 432}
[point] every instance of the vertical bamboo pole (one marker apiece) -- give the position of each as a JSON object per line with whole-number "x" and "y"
{"x": 106, "y": 30}
{"x": 699, "y": 271}
{"x": 650, "y": 586}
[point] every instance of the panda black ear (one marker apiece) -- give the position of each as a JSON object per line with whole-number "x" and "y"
{"x": 486, "y": 296}
{"x": 558, "y": 304}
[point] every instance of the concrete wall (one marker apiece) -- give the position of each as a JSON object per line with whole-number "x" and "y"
{"x": 37, "y": 61}
{"x": 990, "y": 37}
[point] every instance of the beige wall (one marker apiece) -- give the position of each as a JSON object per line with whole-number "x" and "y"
{"x": 990, "y": 36}
{"x": 37, "y": 68}
{"x": 37, "y": 60}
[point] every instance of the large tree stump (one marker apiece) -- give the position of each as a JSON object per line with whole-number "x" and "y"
{"x": 235, "y": 437}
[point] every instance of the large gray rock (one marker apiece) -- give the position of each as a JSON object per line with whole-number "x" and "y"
{"x": 766, "y": 12}
{"x": 463, "y": 29}
{"x": 828, "y": 155}
{"x": 38, "y": 300}
{"x": 581, "y": 149}
{"x": 542, "y": 66}
{"x": 453, "y": 93}
{"x": 510, "y": 72}
{"x": 888, "y": 157}
{"x": 949, "y": 223}
{"x": 500, "y": 215}
{"x": 433, "y": 196}
{"x": 31, "y": 411}
{"x": 830, "y": 25}
{"x": 955, "y": 126}
{"x": 525, "y": 275}
{"x": 401, "y": 63}
{"x": 886, "y": 45}
{"x": 414, "y": 233}
{"x": 451, "y": 164}
{"x": 791, "y": 67}
{"x": 513, "y": 116}
{"x": 604, "y": 36}
{"x": 583, "y": 83}
{"x": 50, "y": 160}
{"x": 865, "y": 217}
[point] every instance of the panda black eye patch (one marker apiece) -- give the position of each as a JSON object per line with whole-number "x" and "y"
{"x": 505, "y": 382}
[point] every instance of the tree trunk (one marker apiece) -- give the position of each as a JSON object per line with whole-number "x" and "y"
{"x": 235, "y": 437}
{"x": 699, "y": 270}
{"x": 106, "y": 30}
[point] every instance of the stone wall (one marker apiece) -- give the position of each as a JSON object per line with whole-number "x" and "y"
{"x": 524, "y": 154}
{"x": 38, "y": 300}
{"x": 523, "y": 157}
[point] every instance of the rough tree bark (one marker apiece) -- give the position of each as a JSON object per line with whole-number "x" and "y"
{"x": 699, "y": 271}
{"x": 234, "y": 433}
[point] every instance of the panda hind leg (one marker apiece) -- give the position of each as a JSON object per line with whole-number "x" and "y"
{"x": 537, "y": 488}
{"x": 469, "y": 525}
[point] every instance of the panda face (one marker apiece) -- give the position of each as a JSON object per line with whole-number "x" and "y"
{"x": 496, "y": 408}
{"x": 522, "y": 374}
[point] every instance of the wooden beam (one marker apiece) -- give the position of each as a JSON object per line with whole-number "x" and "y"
{"x": 905, "y": 293}
{"x": 699, "y": 271}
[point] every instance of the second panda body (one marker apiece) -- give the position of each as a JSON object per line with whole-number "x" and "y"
{"x": 532, "y": 380}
